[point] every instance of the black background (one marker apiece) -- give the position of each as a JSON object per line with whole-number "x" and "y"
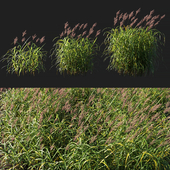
{"x": 47, "y": 18}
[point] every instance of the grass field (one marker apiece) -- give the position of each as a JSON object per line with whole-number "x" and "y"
{"x": 85, "y": 128}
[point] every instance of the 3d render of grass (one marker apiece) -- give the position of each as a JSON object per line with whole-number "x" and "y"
{"x": 85, "y": 128}
{"x": 75, "y": 55}
{"x": 133, "y": 51}
{"x": 22, "y": 60}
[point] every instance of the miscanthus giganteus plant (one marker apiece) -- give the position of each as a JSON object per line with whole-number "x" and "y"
{"x": 131, "y": 50}
{"x": 25, "y": 58}
{"x": 119, "y": 128}
{"x": 75, "y": 55}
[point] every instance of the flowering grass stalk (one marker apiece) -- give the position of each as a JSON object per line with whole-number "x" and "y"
{"x": 95, "y": 128}
{"x": 133, "y": 51}
{"x": 75, "y": 55}
{"x": 25, "y": 58}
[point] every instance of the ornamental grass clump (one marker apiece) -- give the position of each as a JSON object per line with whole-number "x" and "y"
{"x": 25, "y": 58}
{"x": 133, "y": 51}
{"x": 119, "y": 128}
{"x": 75, "y": 55}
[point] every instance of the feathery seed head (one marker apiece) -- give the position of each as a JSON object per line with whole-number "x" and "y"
{"x": 155, "y": 107}
{"x": 120, "y": 16}
{"x": 52, "y": 146}
{"x": 61, "y": 34}
{"x": 73, "y": 34}
{"x": 41, "y": 139}
{"x": 138, "y": 11}
{"x": 42, "y": 39}
{"x": 115, "y": 21}
{"x": 67, "y": 147}
{"x": 139, "y": 23}
{"x": 162, "y": 17}
{"x": 24, "y": 33}
{"x": 86, "y": 128}
{"x": 93, "y": 138}
{"x": 85, "y": 26}
{"x": 55, "y": 120}
{"x": 125, "y": 16}
{"x": 49, "y": 118}
{"x": 133, "y": 21}
{"x": 38, "y": 133}
{"x": 68, "y": 31}
{"x": 23, "y": 39}
{"x": 66, "y": 24}
{"x": 74, "y": 117}
{"x": 90, "y": 118}
{"x": 133, "y": 18}
{"x": 108, "y": 140}
{"x": 107, "y": 119}
{"x": 81, "y": 26}
{"x": 167, "y": 110}
{"x": 156, "y": 17}
{"x": 94, "y": 25}
{"x": 99, "y": 118}
{"x": 90, "y": 32}
{"x": 28, "y": 138}
{"x": 98, "y": 32}
{"x": 151, "y": 12}
{"x": 12, "y": 106}
{"x": 77, "y": 25}
{"x": 33, "y": 37}
{"x": 157, "y": 23}
{"x": 131, "y": 14}
{"x": 37, "y": 40}
{"x": 15, "y": 40}
{"x": 118, "y": 13}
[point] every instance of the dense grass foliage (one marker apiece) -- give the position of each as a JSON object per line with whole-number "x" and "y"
{"x": 85, "y": 128}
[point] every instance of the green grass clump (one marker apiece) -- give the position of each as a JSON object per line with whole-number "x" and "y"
{"x": 85, "y": 128}
{"x": 133, "y": 50}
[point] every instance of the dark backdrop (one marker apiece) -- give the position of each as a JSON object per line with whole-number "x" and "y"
{"x": 47, "y": 18}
